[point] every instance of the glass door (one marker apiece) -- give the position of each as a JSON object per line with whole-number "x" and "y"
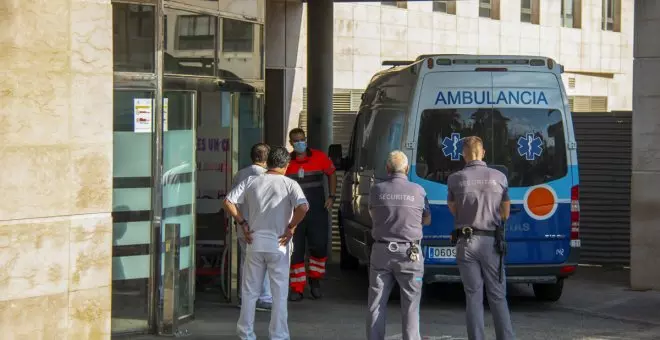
{"x": 131, "y": 210}
{"x": 247, "y": 130}
{"x": 249, "y": 125}
{"x": 214, "y": 180}
{"x": 178, "y": 222}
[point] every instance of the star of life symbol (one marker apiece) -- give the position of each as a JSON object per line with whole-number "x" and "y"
{"x": 453, "y": 146}
{"x": 530, "y": 146}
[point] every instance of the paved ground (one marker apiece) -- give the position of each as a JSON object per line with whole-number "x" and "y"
{"x": 596, "y": 305}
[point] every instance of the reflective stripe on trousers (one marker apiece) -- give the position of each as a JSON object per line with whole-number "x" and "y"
{"x": 312, "y": 233}
{"x": 297, "y": 277}
{"x": 317, "y": 267}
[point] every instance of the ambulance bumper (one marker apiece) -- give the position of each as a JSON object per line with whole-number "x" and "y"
{"x": 514, "y": 274}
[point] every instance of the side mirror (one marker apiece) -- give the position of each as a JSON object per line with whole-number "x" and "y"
{"x": 335, "y": 155}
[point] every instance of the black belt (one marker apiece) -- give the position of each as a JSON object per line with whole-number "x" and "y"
{"x": 398, "y": 242}
{"x": 471, "y": 231}
{"x": 394, "y": 245}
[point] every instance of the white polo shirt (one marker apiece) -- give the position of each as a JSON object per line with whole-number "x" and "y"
{"x": 270, "y": 200}
{"x": 241, "y": 175}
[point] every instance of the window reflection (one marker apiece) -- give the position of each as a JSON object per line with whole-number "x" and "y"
{"x": 196, "y": 32}
{"x": 238, "y": 36}
{"x": 507, "y": 133}
{"x": 211, "y": 4}
{"x": 241, "y": 50}
{"x": 189, "y": 43}
{"x": 249, "y": 9}
{"x": 133, "y": 28}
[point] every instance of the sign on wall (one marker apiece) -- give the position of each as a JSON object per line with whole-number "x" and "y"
{"x": 143, "y": 114}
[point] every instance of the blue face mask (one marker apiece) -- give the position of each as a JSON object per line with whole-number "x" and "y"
{"x": 300, "y": 147}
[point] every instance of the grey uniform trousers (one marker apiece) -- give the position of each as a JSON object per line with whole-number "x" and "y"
{"x": 479, "y": 263}
{"x": 386, "y": 268}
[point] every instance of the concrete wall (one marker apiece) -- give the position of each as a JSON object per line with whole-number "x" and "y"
{"x": 645, "y": 200}
{"x": 56, "y": 174}
{"x": 368, "y": 33}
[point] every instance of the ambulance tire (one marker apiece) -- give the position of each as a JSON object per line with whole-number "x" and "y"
{"x": 549, "y": 292}
{"x": 346, "y": 260}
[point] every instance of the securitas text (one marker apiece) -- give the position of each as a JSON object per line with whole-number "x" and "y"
{"x": 492, "y": 98}
{"x": 397, "y": 197}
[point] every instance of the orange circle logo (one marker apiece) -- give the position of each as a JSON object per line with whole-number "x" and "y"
{"x": 540, "y": 202}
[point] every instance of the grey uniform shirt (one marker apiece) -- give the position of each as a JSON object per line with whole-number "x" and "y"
{"x": 397, "y": 207}
{"x": 477, "y": 192}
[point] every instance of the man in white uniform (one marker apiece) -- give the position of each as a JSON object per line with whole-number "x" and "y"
{"x": 276, "y": 204}
{"x": 259, "y": 155}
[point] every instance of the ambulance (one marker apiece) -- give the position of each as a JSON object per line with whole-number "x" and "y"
{"x": 519, "y": 107}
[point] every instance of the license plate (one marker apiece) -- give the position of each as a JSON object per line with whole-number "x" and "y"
{"x": 442, "y": 252}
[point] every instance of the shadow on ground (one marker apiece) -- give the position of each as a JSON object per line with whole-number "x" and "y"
{"x": 596, "y": 305}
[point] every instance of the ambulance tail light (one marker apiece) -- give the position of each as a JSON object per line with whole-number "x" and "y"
{"x": 575, "y": 216}
{"x": 430, "y": 62}
{"x": 567, "y": 270}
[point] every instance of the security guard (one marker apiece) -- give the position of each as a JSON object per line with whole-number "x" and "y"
{"x": 398, "y": 208}
{"x": 309, "y": 167}
{"x": 479, "y": 200}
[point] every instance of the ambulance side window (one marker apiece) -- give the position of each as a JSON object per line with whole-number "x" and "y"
{"x": 384, "y": 137}
{"x": 362, "y": 143}
{"x": 356, "y": 142}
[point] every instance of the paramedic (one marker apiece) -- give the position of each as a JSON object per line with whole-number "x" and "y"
{"x": 310, "y": 167}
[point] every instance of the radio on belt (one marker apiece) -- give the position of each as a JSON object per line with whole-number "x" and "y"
{"x": 301, "y": 172}
{"x": 413, "y": 253}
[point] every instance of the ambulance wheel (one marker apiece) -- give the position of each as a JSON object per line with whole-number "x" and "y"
{"x": 549, "y": 292}
{"x": 346, "y": 260}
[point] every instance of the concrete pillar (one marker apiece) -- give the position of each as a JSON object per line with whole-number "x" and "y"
{"x": 320, "y": 16}
{"x": 645, "y": 200}
{"x": 284, "y": 68}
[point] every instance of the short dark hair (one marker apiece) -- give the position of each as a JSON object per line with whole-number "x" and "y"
{"x": 296, "y": 131}
{"x": 278, "y": 157}
{"x": 259, "y": 152}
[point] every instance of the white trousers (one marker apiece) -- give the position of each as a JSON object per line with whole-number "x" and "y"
{"x": 257, "y": 264}
{"x": 265, "y": 290}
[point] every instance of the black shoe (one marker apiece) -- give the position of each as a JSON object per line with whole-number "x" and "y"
{"x": 315, "y": 288}
{"x": 295, "y": 296}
